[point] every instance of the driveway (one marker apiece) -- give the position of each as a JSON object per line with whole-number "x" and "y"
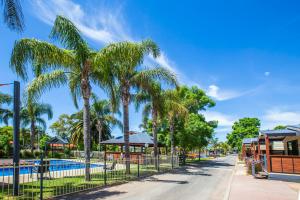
{"x": 204, "y": 180}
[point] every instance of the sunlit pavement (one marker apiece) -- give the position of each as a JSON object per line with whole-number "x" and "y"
{"x": 204, "y": 180}
{"x": 246, "y": 187}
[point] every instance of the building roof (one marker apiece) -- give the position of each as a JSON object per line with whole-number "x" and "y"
{"x": 137, "y": 139}
{"x": 279, "y": 133}
{"x": 249, "y": 140}
{"x": 57, "y": 140}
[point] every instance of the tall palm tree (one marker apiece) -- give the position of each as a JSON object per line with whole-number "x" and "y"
{"x": 102, "y": 121}
{"x": 13, "y": 15}
{"x": 173, "y": 108}
{"x": 126, "y": 59}
{"x": 154, "y": 100}
{"x": 32, "y": 115}
{"x": 73, "y": 66}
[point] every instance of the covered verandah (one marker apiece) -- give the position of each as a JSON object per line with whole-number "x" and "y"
{"x": 279, "y": 150}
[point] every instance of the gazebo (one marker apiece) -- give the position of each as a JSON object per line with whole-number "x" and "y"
{"x": 136, "y": 140}
{"x": 57, "y": 143}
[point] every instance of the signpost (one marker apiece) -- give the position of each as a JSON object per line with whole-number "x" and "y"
{"x": 16, "y": 138}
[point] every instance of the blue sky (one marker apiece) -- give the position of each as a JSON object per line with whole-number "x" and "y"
{"x": 245, "y": 54}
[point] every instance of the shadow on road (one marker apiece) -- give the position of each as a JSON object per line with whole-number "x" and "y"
{"x": 92, "y": 195}
{"x": 153, "y": 179}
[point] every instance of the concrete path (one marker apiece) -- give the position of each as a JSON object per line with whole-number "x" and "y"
{"x": 207, "y": 180}
{"x": 246, "y": 187}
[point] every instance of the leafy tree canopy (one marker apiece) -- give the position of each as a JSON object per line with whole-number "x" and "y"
{"x": 243, "y": 128}
{"x": 62, "y": 126}
{"x": 279, "y": 127}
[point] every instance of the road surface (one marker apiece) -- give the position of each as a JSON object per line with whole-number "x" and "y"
{"x": 207, "y": 180}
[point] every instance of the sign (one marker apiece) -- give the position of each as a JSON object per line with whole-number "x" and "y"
{"x": 277, "y": 145}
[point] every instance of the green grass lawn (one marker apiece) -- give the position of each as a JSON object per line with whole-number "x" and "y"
{"x": 60, "y": 186}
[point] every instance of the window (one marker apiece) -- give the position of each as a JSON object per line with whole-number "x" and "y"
{"x": 293, "y": 147}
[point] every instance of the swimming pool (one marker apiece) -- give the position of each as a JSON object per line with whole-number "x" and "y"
{"x": 55, "y": 165}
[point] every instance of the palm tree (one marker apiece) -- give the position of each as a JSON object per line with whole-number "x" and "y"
{"x": 73, "y": 66}
{"x": 102, "y": 121}
{"x": 126, "y": 59}
{"x": 102, "y": 112}
{"x": 32, "y": 115}
{"x": 4, "y": 112}
{"x": 154, "y": 99}
{"x": 13, "y": 15}
{"x": 173, "y": 108}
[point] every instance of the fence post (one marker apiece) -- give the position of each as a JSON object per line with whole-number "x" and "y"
{"x": 105, "y": 165}
{"x": 41, "y": 176}
{"x": 157, "y": 160}
{"x": 138, "y": 165}
{"x": 172, "y": 162}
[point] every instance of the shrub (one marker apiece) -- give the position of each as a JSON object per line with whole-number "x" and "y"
{"x": 26, "y": 153}
{"x": 258, "y": 168}
{"x": 37, "y": 153}
{"x": 67, "y": 152}
{"x": 57, "y": 155}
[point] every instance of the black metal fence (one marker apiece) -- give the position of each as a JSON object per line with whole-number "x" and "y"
{"x": 56, "y": 177}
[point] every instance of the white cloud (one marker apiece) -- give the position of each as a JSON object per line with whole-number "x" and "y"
{"x": 276, "y": 116}
{"x": 267, "y": 73}
{"x": 224, "y": 120}
{"x": 222, "y": 95}
{"x": 103, "y": 25}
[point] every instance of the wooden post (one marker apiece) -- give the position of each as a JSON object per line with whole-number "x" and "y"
{"x": 267, "y": 141}
{"x": 258, "y": 150}
{"x": 243, "y": 151}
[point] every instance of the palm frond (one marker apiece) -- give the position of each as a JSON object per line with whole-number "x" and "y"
{"x": 145, "y": 78}
{"x": 37, "y": 52}
{"x": 5, "y": 99}
{"x": 150, "y": 47}
{"x": 46, "y": 82}
{"x": 13, "y": 15}
{"x": 42, "y": 123}
{"x": 67, "y": 33}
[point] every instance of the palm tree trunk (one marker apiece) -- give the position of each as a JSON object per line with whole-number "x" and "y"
{"x": 172, "y": 140}
{"x": 86, "y": 93}
{"x": 125, "y": 102}
{"x": 99, "y": 129}
{"x": 32, "y": 134}
{"x": 86, "y": 137}
{"x": 154, "y": 132}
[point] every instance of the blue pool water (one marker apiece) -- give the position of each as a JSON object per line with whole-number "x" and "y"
{"x": 55, "y": 165}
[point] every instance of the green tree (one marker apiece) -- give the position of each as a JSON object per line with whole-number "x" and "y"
{"x": 126, "y": 59}
{"x": 279, "y": 127}
{"x": 243, "y": 128}
{"x": 43, "y": 141}
{"x": 61, "y": 127}
{"x": 174, "y": 109}
{"x": 153, "y": 98}
{"x": 5, "y": 113}
{"x": 73, "y": 65}
{"x": 13, "y": 15}
{"x": 197, "y": 132}
{"x": 102, "y": 121}
{"x": 32, "y": 115}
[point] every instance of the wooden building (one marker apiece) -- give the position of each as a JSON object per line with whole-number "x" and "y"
{"x": 279, "y": 150}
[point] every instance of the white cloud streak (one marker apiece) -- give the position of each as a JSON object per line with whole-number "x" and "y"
{"x": 103, "y": 25}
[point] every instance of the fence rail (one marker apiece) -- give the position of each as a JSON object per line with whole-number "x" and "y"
{"x": 285, "y": 164}
{"x": 57, "y": 177}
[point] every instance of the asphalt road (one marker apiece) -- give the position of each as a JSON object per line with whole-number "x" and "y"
{"x": 207, "y": 180}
